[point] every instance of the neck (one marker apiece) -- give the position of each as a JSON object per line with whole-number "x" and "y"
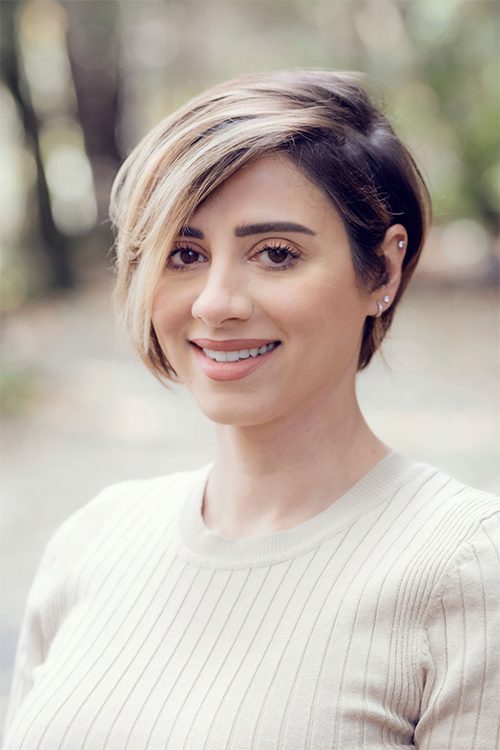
{"x": 273, "y": 476}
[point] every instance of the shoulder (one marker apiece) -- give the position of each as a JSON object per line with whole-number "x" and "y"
{"x": 165, "y": 489}
{"x": 445, "y": 507}
{"x": 120, "y": 506}
{"x": 471, "y": 568}
{"x": 466, "y": 505}
{"x": 433, "y": 521}
{"x": 458, "y": 528}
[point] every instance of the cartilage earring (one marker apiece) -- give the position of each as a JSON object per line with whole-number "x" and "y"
{"x": 387, "y": 298}
{"x": 401, "y": 243}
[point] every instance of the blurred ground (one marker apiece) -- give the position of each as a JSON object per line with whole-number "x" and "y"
{"x": 84, "y": 414}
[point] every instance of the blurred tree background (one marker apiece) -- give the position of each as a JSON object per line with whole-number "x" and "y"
{"x": 83, "y": 80}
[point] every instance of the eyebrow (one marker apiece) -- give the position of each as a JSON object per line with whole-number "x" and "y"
{"x": 272, "y": 226}
{"x": 191, "y": 232}
{"x": 246, "y": 230}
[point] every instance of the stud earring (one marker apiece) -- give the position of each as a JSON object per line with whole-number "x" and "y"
{"x": 401, "y": 243}
{"x": 381, "y": 307}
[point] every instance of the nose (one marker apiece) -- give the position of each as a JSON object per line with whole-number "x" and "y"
{"x": 224, "y": 297}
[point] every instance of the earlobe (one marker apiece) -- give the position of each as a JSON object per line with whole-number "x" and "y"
{"x": 387, "y": 299}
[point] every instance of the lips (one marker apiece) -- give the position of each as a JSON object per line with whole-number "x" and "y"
{"x": 232, "y": 345}
{"x": 224, "y": 371}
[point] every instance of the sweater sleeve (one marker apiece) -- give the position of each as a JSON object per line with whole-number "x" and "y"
{"x": 37, "y": 628}
{"x": 48, "y": 601}
{"x": 460, "y": 699}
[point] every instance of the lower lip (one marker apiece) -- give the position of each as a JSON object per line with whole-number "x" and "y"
{"x": 230, "y": 370}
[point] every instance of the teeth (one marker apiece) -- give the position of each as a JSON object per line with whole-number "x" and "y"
{"x": 242, "y": 354}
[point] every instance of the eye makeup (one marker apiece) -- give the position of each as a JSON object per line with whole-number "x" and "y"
{"x": 188, "y": 255}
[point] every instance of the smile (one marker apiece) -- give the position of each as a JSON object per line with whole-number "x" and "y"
{"x": 236, "y": 356}
{"x": 233, "y": 365}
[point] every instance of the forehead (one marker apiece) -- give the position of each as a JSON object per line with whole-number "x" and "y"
{"x": 270, "y": 189}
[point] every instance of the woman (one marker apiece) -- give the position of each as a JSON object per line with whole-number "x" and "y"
{"x": 311, "y": 588}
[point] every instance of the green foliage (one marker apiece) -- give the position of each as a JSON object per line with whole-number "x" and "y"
{"x": 462, "y": 70}
{"x": 18, "y": 389}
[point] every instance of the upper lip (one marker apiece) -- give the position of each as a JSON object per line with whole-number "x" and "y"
{"x": 231, "y": 345}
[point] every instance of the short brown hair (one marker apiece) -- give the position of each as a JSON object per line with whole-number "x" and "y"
{"x": 325, "y": 123}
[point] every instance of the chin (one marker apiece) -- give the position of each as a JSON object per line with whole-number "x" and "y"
{"x": 237, "y": 410}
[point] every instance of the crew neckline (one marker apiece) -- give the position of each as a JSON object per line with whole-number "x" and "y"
{"x": 207, "y": 549}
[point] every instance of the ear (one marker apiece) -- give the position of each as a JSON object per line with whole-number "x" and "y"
{"x": 394, "y": 248}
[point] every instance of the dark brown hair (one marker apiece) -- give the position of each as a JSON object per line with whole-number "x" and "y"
{"x": 373, "y": 182}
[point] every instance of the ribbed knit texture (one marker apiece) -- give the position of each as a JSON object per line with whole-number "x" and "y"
{"x": 373, "y": 625}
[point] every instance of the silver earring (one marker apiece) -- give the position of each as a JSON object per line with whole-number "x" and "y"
{"x": 381, "y": 307}
{"x": 401, "y": 243}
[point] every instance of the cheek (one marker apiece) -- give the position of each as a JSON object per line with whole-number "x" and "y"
{"x": 169, "y": 313}
{"x": 326, "y": 306}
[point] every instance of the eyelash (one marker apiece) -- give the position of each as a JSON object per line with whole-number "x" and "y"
{"x": 295, "y": 255}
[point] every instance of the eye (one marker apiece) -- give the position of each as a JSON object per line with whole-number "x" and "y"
{"x": 182, "y": 257}
{"x": 277, "y": 257}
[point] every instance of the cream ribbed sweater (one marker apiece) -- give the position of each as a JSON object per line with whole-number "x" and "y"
{"x": 373, "y": 625}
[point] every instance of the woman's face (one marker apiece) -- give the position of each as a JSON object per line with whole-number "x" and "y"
{"x": 266, "y": 260}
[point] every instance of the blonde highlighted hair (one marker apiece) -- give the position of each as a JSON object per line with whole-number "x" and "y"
{"x": 325, "y": 123}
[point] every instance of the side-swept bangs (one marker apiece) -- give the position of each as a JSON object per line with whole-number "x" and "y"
{"x": 325, "y": 123}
